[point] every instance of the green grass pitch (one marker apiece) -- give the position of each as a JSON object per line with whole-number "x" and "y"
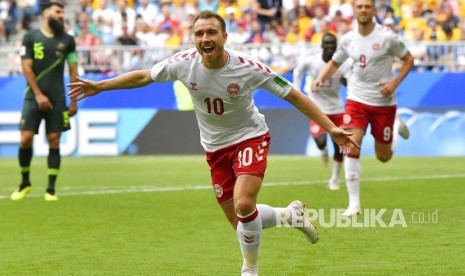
{"x": 158, "y": 216}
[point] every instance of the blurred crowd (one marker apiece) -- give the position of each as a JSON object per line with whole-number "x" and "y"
{"x": 155, "y": 23}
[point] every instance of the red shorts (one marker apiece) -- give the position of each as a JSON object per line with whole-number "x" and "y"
{"x": 316, "y": 130}
{"x": 380, "y": 118}
{"x": 226, "y": 164}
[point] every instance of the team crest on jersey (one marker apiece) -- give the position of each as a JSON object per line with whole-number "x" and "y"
{"x": 346, "y": 119}
{"x": 376, "y": 47}
{"x": 61, "y": 46}
{"x": 218, "y": 190}
{"x": 59, "y": 50}
{"x": 193, "y": 85}
{"x": 233, "y": 89}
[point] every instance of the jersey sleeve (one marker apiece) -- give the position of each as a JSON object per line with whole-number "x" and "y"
{"x": 71, "y": 56}
{"x": 276, "y": 84}
{"x": 396, "y": 46}
{"x": 265, "y": 78}
{"x": 26, "y": 51}
{"x": 341, "y": 54}
{"x": 163, "y": 71}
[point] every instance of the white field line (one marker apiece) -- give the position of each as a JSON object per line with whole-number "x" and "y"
{"x": 155, "y": 189}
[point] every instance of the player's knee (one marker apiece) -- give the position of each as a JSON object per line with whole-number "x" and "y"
{"x": 244, "y": 205}
{"x": 384, "y": 156}
{"x": 53, "y": 141}
{"x": 320, "y": 141}
{"x": 26, "y": 141}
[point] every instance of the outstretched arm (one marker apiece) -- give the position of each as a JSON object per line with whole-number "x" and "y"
{"x": 327, "y": 72}
{"x": 312, "y": 111}
{"x": 84, "y": 88}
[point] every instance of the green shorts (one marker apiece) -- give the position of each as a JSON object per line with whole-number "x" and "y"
{"x": 56, "y": 120}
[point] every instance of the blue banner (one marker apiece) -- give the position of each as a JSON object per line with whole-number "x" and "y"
{"x": 123, "y": 122}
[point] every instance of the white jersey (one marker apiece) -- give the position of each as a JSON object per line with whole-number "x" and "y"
{"x": 223, "y": 98}
{"x": 327, "y": 98}
{"x": 372, "y": 56}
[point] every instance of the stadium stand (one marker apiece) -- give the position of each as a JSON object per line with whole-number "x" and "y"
{"x": 141, "y": 32}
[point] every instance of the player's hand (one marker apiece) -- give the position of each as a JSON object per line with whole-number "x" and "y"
{"x": 316, "y": 84}
{"x": 82, "y": 88}
{"x": 388, "y": 88}
{"x": 343, "y": 140}
{"x": 44, "y": 103}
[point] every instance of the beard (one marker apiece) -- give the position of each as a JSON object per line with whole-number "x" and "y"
{"x": 57, "y": 26}
{"x": 327, "y": 55}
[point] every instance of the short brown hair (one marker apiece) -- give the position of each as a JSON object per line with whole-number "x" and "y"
{"x": 206, "y": 14}
{"x": 47, "y": 5}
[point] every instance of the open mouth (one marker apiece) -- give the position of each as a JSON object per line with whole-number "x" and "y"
{"x": 208, "y": 49}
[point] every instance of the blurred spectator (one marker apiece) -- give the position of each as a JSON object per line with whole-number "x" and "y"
{"x": 460, "y": 54}
{"x": 444, "y": 15}
{"x": 172, "y": 38}
{"x": 418, "y": 51}
{"x": 208, "y": 5}
{"x": 241, "y": 35}
{"x": 186, "y": 24}
{"x": 318, "y": 16}
{"x": 13, "y": 65}
{"x": 382, "y": 9}
{"x": 148, "y": 11}
{"x": 94, "y": 58}
{"x": 102, "y": 18}
{"x": 389, "y": 22}
{"x": 84, "y": 6}
{"x": 8, "y": 18}
{"x": 225, "y": 4}
{"x": 344, "y": 7}
{"x": 408, "y": 25}
{"x": 25, "y": 13}
{"x": 103, "y": 14}
{"x": 188, "y": 34}
{"x": 230, "y": 20}
{"x": 124, "y": 15}
{"x": 270, "y": 35}
{"x": 435, "y": 54}
{"x": 291, "y": 9}
{"x": 131, "y": 59}
{"x": 96, "y": 3}
{"x": 126, "y": 37}
{"x": 268, "y": 10}
{"x": 337, "y": 21}
{"x": 2, "y": 32}
{"x": 434, "y": 28}
{"x": 166, "y": 17}
{"x": 318, "y": 35}
{"x": 256, "y": 36}
{"x": 320, "y": 5}
{"x": 183, "y": 8}
{"x": 342, "y": 28}
{"x": 293, "y": 35}
{"x": 304, "y": 21}
{"x": 83, "y": 21}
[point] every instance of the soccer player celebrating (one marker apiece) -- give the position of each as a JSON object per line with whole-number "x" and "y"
{"x": 371, "y": 93}
{"x": 233, "y": 133}
{"x": 327, "y": 98}
{"x": 44, "y": 53}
